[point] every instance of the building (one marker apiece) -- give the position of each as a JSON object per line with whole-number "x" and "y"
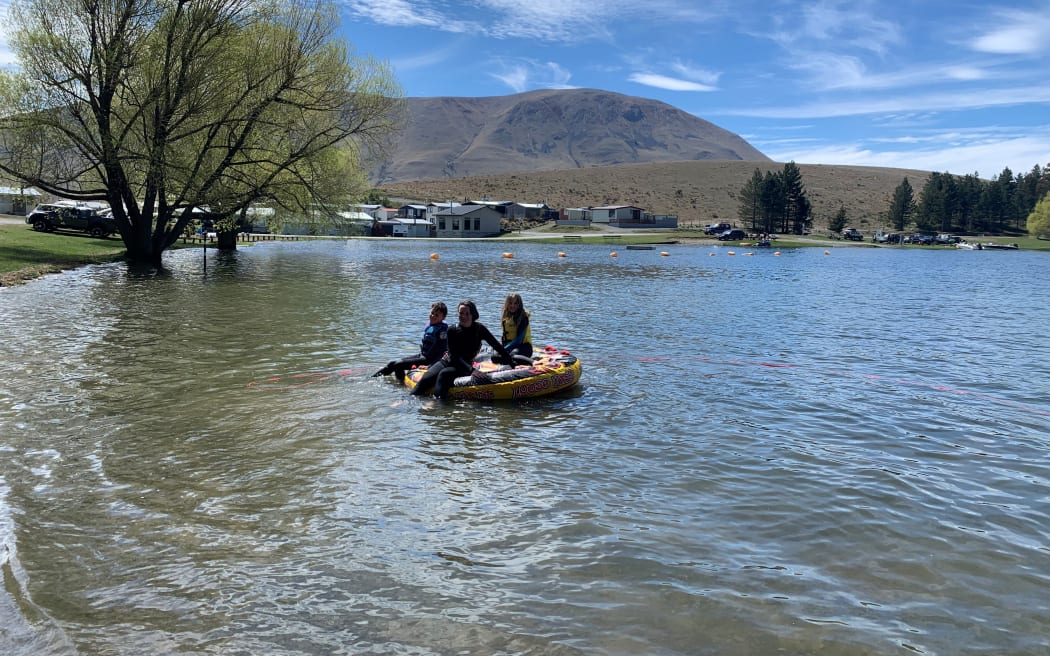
{"x": 468, "y": 221}
{"x": 629, "y": 216}
{"x": 611, "y": 214}
{"x": 16, "y": 200}
{"x": 412, "y": 212}
{"x": 434, "y": 208}
{"x": 414, "y": 228}
{"x": 527, "y": 211}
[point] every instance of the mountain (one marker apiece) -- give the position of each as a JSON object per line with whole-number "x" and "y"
{"x": 451, "y": 137}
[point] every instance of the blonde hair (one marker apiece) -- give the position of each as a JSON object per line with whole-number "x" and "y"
{"x": 506, "y": 306}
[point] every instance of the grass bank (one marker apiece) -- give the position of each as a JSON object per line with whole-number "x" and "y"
{"x": 26, "y": 254}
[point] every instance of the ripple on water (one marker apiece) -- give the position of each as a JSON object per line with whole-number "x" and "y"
{"x": 751, "y": 464}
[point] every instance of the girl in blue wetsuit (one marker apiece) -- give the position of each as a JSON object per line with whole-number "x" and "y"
{"x": 431, "y": 348}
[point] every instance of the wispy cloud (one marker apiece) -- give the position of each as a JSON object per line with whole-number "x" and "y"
{"x": 680, "y": 76}
{"x": 425, "y": 59}
{"x": 879, "y": 104}
{"x": 522, "y": 74}
{"x": 669, "y": 83}
{"x": 402, "y": 13}
{"x": 954, "y": 151}
{"x": 1016, "y": 33}
{"x": 852, "y": 24}
{"x": 831, "y": 71}
{"x": 542, "y": 20}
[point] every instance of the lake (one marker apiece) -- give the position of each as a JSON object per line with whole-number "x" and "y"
{"x": 835, "y": 452}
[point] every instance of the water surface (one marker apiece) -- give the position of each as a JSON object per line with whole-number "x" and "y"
{"x": 841, "y": 453}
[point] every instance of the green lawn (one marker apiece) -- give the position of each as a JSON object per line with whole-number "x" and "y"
{"x": 26, "y": 253}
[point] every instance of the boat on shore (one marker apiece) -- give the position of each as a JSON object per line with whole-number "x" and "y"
{"x": 640, "y": 247}
{"x": 998, "y": 247}
{"x": 552, "y": 370}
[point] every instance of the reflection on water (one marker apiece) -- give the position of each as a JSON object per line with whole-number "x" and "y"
{"x": 841, "y": 453}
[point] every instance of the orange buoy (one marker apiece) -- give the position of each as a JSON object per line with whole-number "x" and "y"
{"x": 748, "y": 253}
{"x": 776, "y": 253}
{"x": 613, "y": 254}
{"x": 730, "y": 253}
{"x": 664, "y": 253}
{"x": 560, "y": 254}
{"x": 827, "y": 252}
{"x": 434, "y": 256}
{"x": 508, "y": 255}
{"x": 711, "y": 254}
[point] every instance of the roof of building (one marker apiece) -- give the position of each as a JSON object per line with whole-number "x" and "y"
{"x": 462, "y": 210}
{"x": 356, "y": 216}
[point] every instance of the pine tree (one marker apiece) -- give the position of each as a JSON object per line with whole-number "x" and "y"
{"x": 750, "y": 209}
{"x": 902, "y": 206}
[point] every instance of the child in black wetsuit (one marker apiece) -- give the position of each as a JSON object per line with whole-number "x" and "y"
{"x": 464, "y": 343}
{"x": 431, "y": 348}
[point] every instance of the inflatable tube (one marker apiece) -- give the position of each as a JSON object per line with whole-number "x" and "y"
{"x": 551, "y": 371}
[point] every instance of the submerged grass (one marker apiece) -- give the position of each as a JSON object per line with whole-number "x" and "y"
{"x": 26, "y": 254}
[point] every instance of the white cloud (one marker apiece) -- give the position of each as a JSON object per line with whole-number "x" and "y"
{"x": 542, "y": 20}
{"x": 846, "y": 23}
{"x": 523, "y": 75}
{"x": 1019, "y": 33}
{"x": 832, "y": 71}
{"x": 985, "y": 151}
{"x": 668, "y": 83}
{"x": 695, "y": 73}
{"x": 403, "y": 13}
{"x": 947, "y": 101}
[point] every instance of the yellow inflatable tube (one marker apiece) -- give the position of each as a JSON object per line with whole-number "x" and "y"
{"x": 552, "y": 370}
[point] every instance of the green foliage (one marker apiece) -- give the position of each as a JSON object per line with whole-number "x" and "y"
{"x": 838, "y": 222}
{"x": 775, "y": 202}
{"x": 902, "y": 205}
{"x": 377, "y": 197}
{"x": 170, "y": 106}
{"x": 750, "y": 198}
{"x": 968, "y": 204}
{"x": 1038, "y": 222}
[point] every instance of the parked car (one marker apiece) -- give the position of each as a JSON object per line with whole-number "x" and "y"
{"x": 732, "y": 235}
{"x": 717, "y": 228}
{"x": 853, "y": 234}
{"x": 50, "y": 217}
{"x": 886, "y": 238}
{"x": 944, "y": 239}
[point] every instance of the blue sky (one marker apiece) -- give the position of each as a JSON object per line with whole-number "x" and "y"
{"x": 955, "y": 86}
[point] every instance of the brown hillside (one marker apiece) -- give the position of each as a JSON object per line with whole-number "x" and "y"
{"x": 699, "y": 192}
{"x": 547, "y": 130}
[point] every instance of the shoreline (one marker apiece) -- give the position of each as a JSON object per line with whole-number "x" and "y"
{"x": 593, "y": 235}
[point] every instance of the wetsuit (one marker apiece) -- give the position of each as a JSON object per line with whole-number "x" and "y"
{"x": 463, "y": 346}
{"x": 431, "y": 349}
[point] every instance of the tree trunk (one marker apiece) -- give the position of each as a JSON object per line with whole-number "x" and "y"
{"x": 226, "y": 241}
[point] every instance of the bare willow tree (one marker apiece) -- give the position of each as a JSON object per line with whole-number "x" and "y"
{"x": 159, "y": 106}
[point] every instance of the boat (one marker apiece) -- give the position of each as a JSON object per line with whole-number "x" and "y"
{"x": 967, "y": 246}
{"x": 552, "y": 370}
{"x": 640, "y": 247}
{"x": 998, "y": 247}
